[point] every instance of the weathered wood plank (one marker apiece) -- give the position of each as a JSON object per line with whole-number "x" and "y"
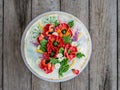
{"x": 1, "y": 42}
{"x": 16, "y": 75}
{"x": 39, "y": 7}
{"x": 78, "y": 8}
{"x": 103, "y": 28}
{"x": 118, "y": 44}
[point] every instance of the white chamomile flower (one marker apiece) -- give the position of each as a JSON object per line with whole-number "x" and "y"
{"x": 57, "y": 65}
{"x": 59, "y": 55}
{"x": 60, "y": 58}
{"x": 38, "y": 47}
{"x": 55, "y": 33}
{"x": 74, "y": 43}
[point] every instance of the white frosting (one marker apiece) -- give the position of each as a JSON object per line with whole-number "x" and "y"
{"x": 33, "y": 58}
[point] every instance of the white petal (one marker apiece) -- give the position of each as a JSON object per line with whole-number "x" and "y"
{"x": 60, "y": 58}
{"x": 59, "y": 55}
{"x": 55, "y": 33}
{"x": 57, "y": 65}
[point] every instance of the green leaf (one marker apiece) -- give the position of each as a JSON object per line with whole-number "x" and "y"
{"x": 60, "y": 74}
{"x": 64, "y": 62}
{"x": 43, "y": 49}
{"x": 54, "y": 60}
{"x": 56, "y": 23}
{"x": 61, "y": 50}
{"x": 63, "y": 69}
{"x": 43, "y": 44}
{"x": 71, "y": 23}
{"x": 67, "y": 39}
{"x": 80, "y": 55}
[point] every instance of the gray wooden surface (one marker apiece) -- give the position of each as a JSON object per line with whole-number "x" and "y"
{"x": 102, "y": 18}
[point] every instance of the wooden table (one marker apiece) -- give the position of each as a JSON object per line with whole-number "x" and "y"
{"x": 102, "y": 18}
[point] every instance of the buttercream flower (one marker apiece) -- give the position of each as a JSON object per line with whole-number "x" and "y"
{"x": 70, "y": 51}
{"x": 75, "y": 71}
{"x": 61, "y": 58}
{"x": 57, "y": 65}
{"x": 48, "y": 29}
{"x": 46, "y": 66}
{"x": 55, "y": 42}
{"x": 63, "y": 30}
{"x": 59, "y": 55}
{"x": 51, "y": 52}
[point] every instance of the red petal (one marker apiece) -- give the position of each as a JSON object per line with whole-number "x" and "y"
{"x": 46, "y": 56}
{"x": 70, "y": 31}
{"x": 52, "y": 68}
{"x": 49, "y": 66}
{"x": 75, "y": 71}
{"x": 73, "y": 49}
{"x": 71, "y": 56}
{"x": 46, "y": 28}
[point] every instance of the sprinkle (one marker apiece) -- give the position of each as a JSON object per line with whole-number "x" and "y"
{"x": 39, "y": 51}
{"x": 40, "y": 25}
{"x": 73, "y": 63}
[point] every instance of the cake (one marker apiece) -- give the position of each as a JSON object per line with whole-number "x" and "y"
{"x": 56, "y": 46}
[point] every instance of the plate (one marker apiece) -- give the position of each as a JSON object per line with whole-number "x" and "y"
{"x": 32, "y": 58}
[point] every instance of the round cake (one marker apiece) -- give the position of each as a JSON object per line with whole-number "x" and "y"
{"x": 56, "y": 46}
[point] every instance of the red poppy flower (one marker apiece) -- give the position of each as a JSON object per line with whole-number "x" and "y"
{"x": 70, "y": 51}
{"x": 75, "y": 71}
{"x": 63, "y": 30}
{"x": 54, "y": 42}
{"x": 48, "y": 29}
{"x": 51, "y": 52}
{"x": 46, "y": 66}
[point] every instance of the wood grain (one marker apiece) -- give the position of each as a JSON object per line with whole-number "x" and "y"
{"x": 42, "y": 6}
{"x": 118, "y": 44}
{"x": 1, "y": 43}
{"x": 103, "y": 64}
{"x": 16, "y": 75}
{"x": 102, "y": 74}
{"x": 39, "y": 7}
{"x": 78, "y": 8}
